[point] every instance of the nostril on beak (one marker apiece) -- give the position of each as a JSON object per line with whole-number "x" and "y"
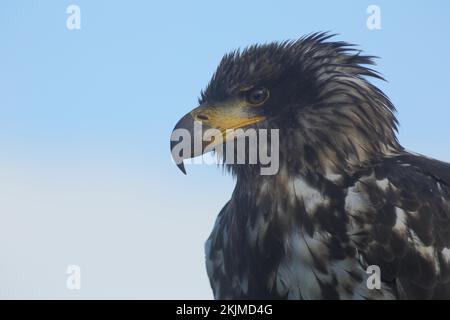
{"x": 202, "y": 117}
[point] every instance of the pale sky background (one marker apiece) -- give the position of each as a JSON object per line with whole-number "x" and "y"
{"x": 86, "y": 115}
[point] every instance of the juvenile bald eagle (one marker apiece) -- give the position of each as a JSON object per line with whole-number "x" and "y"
{"x": 346, "y": 196}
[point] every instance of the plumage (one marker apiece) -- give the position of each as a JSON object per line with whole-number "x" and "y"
{"x": 346, "y": 196}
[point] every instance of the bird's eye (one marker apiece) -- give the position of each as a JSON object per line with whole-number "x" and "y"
{"x": 257, "y": 96}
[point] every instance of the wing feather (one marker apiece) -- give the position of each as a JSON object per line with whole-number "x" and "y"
{"x": 404, "y": 227}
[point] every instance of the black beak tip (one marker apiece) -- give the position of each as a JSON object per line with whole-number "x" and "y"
{"x": 181, "y": 167}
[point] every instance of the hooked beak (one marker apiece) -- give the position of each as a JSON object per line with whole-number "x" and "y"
{"x": 187, "y": 131}
{"x": 206, "y": 127}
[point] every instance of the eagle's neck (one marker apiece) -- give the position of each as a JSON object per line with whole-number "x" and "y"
{"x": 313, "y": 175}
{"x": 285, "y": 229}
{"x": 269, "y": 214}
{"x": 290, "y": 198}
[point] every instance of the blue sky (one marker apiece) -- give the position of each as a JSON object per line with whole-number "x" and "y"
{"x": 86, "y": 115}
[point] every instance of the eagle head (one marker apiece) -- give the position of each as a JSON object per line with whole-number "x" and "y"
{"x": 314, "y": 91}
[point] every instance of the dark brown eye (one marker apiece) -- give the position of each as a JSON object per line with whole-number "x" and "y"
{"x": 257, "y": 96}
